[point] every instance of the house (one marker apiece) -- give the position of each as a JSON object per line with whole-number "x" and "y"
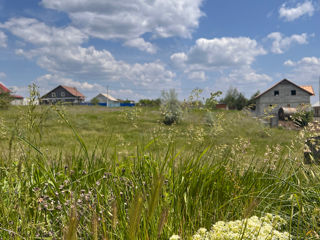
{"x": 105, "y": 99}
{"x": 63, "y": 94}
{"x": 222, "y": 106}
{"x": 283, "y": 94}
{"x": 15, "y": 99}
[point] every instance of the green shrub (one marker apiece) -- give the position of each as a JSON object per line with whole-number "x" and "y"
{"x": 170, "y": 107}
{"x": 303, "y": 116}
{"x": 5, "y": 100}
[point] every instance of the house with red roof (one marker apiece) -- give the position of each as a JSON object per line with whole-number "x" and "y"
{"x": 283, "y": 94}
{"x": 63, "y": 94}
{"x": 15, "y": 99}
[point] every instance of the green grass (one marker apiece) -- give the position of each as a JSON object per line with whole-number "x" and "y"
{"x": 97, "y": 173}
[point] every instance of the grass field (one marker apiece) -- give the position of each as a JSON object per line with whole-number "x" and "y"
{"x": 97, "y": 173}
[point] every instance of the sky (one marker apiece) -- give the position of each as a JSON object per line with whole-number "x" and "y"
{"x": 137, "y": 48}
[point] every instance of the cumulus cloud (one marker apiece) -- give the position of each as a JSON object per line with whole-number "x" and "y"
{"x": 60, "y": 51}
{"x": 129, "y": 19}
{"x": 282, "y": 43}
{"x": 246, "y": 75}
{"x": 305, "y": 70}
{"x": 38, "y": 33}
{"x": 197, "y": 76}
{"x": 291, "y": 14}
{"x": 51, "y": 80}
{"x": 3, "y": 40}
{"x": 141, "y": 44}
{"x": 219, "y": 53}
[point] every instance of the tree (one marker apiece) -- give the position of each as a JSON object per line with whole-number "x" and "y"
{"x": 234, "y": 99}
{"x": 149, "y": 102}
{"x": 252, "y": 101}
{"x": 5, "y": 100}
{"x": 94, "y": 101}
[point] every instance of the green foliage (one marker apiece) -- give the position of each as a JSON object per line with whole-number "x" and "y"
{"x": 234, "y": 99}
{"x": 303, "y": 116}
{"x": 212, "y": 101}
{"x": 252, "y": 101}
{"x": 94, "y": 101}
{"x": 95, "y": 176}
{"x": 5, "y": 100}
{"x": 149, "y": 102}
{"x": 194, "y": 100}
{"x": 170, "y": 107}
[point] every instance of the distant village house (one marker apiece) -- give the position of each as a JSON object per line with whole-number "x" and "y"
{"x": 107, "y": 100}
{"x": 63, "y": 94}
{"x": 14, "y": 99}
{"x": 283, "y": 94}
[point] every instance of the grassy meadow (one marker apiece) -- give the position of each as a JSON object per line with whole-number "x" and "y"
{"x": 79, "y": 172}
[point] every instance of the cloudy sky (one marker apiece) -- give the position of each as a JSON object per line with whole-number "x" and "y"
{"x": 137, "y": 48}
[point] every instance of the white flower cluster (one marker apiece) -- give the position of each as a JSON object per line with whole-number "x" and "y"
{"x": 254, "y": 228}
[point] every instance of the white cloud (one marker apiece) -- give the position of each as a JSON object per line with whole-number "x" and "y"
{"x": 245, "y": 79}
{"x": 51, "y": 80}
{"x": 197, "y": 76}
{"x": 127, "y": 19}
{"x": 304, "y": 71}
{"x": 291, "y": 14}
{"x": 219, "y": 53}
{"x": 281, "y": 43}
{"x": 38, "y": 33}
{"x": 3, "y": 40}
{"x": 246, "y": 75}
{"x": 141, "y": 44}
{"x": 2, "y": 75}
{"x": 59, "y": 51}
{"x": 289, "y": 63}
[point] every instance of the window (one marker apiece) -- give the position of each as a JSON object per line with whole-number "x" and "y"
{"x": 53, "y": 94}
{"x": 293, "y": 92}
{"x": 63, "y": 94}
{"x": 276, "y": 93}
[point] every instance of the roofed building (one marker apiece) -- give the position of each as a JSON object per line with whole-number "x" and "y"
{"x": 63, "y": 94}
{"x": 283, "y": 94}
{"x": 107, "y": 100}
{"x": 15, "y": 99}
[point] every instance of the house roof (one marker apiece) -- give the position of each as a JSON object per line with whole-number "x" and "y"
{"x": 16, "y": 96}
{"x": 73, "y": 91}
{"x": 307, "y": 89}
{"x": 109, "y": 97}
{"x": 4, "y": 89}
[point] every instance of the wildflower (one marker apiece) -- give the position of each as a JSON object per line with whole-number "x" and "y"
{"x": 174, "y": 237}
{"x": 266, "y": 228}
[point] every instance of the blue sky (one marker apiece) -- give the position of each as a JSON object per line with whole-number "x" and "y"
{"x": 137, "y": 48}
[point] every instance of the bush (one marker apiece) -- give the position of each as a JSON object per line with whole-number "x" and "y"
{"x": 149, "y": 102}
{"x": 303, "y": 116}
{"x": 5, "y": 100}
{"x": 170, "y": 107}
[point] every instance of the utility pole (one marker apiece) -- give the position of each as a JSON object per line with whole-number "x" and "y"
{"x": 107, "y": 95}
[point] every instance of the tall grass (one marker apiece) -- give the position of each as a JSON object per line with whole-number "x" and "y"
{"x": 161, "y": 188}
